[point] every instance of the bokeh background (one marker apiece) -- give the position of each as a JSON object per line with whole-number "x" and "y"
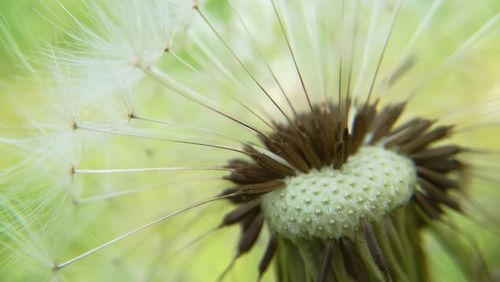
{"x": 160, "y": 254}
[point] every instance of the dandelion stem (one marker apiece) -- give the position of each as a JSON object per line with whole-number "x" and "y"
{"x": 327, "y": 260}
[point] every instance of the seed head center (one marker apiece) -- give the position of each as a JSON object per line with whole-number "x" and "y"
{"x": 330, "y": 203}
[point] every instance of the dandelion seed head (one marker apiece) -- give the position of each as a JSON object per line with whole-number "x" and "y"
{"x": 353, "y": 198}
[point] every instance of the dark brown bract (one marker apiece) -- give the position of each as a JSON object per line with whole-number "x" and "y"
{"x": 323, "y": 137}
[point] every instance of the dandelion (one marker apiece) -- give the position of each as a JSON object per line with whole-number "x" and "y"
{"x": 296, "y": 121}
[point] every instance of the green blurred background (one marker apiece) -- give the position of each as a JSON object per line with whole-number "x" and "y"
{"x": 31, "y": 30}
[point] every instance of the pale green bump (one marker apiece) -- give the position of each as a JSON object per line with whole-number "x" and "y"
{"x": 330, "y": 203}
